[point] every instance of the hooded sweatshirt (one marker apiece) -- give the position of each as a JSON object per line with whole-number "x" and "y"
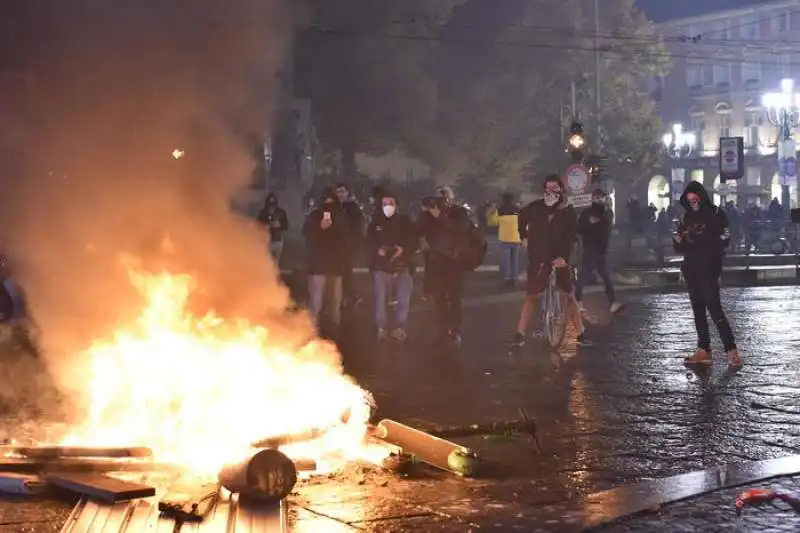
{"x": 551, "y": 231}
{"x": 594, "y": 226}
{"x": 704, "y": 235}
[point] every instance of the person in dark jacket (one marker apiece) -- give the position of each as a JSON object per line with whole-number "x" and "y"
{"x": 444, "y": 229}
{"x": 274, "y": 219}
{"x": 391, "y": 244}
{"x": 548, "y": 228}
{"x": 594, "y": 228}
{"x": 355, "y": 229}
{"x": 326, "y": 232}
{"x": 702, "y": 238}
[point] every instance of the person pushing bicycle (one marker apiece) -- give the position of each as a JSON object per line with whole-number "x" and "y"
{"x": 552, "y": 225}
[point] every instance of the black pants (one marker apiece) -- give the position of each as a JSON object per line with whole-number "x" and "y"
{"x": 447, "y": 295}
{"x": 593, "y": 262}
{"x": 704, "y": 296}
{"x": 348, "y": 283}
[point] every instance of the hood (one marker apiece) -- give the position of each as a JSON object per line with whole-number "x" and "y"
{"x": 271, "y": 196}
{"x": 697, "y": 188}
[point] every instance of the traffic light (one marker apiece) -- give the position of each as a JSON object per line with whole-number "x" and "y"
{"x": 576, "y": 141}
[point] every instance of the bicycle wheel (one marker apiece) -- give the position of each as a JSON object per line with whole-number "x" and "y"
{"x": 555, "y": 316}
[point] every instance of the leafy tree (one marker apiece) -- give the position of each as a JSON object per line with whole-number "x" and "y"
{"x": 504, "y": 74}
{"x": 363, "y": 64}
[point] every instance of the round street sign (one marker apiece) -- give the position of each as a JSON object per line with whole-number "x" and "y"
{"x": 577, "y": 179}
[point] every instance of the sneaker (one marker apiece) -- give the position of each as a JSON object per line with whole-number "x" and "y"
{"x": 700, "y": 357}
{"x": 583, "y": 341}
{"x": 383, "y": 335}
{"x": 734, "y": 359}
{"x": 616, "y": 307}
{"x": 519, "y": 341}
{"x": 399, "y": 335}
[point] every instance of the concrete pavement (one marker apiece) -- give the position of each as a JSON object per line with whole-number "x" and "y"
{"x": 625, "y": 411}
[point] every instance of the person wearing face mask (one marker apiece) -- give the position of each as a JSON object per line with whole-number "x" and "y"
{"x": 551, "y": 223}
{"x": 594, "y": 227}
{"x": 391, "y": 243}
{"x": 274, "y": 219}
{"x": 444, "y": 229}
{"x": 326, "y": 232}
{"x": 702, "y": 238}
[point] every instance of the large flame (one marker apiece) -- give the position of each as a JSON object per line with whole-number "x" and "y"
{"x": 200, "y": 390}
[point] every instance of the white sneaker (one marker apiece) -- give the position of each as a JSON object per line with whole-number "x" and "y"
{"x": 616, "y": 307}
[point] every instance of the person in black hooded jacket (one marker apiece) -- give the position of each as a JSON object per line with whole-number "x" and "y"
{"x": 702, "y": 238}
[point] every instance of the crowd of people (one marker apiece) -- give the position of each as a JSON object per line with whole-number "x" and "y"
{"x": 444, "y": 239}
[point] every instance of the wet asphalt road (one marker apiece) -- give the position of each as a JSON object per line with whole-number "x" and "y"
{"x": 621, "y": 411}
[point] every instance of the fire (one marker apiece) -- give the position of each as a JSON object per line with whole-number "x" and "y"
{"x": 200, "y": 390}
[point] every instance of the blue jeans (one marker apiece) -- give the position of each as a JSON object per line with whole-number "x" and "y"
{"x": 383, "y": 284}
{"x": 325, "y": 291}
{"x": 509, "y": 260}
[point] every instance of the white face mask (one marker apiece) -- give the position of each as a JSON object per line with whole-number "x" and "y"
{"x": 388, "y": 211}
{"x": 551, "y": 198}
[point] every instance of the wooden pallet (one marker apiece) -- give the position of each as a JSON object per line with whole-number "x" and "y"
{"x": 229, "y": 515}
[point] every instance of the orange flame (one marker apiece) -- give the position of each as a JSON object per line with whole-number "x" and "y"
{"x": 200, "y": 390}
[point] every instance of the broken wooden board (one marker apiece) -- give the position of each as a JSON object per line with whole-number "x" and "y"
{"x": 30, "y": 465}
{"x": 99, "y": 487}
{"x": 189, "y": 500}
{"x": 57, "y": 452}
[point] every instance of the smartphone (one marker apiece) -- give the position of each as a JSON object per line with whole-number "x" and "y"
{"x": 326, "y": 216}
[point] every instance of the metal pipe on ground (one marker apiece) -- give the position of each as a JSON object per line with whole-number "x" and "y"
{"x": 427, "y": 448}
{"x": 267, "y": 476}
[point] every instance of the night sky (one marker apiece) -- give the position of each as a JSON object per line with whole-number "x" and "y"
{"x": 661, "y": 10}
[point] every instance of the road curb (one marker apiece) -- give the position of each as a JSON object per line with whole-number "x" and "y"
{"x": 602, "y": 508}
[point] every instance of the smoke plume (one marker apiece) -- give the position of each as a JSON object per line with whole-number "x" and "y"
{"x": 119, "y": 86}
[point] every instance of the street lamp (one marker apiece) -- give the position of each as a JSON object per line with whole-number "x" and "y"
{"x": 783, "y": 111}
{"x": 678, "y": 144}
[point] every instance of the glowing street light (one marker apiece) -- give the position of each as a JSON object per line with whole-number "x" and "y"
{"x": 177, "y": 154}
{"x": 783, "y": 111}
{"x": 679, "y": 143}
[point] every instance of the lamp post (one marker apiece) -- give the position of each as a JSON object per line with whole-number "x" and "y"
{"x": 678, "y": 144}
{"x": 783, "y": 111}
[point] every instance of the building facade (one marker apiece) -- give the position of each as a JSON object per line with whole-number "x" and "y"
{"x": 723, "y": 63}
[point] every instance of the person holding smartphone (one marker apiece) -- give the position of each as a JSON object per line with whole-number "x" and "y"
{"x": 326, "y": 234}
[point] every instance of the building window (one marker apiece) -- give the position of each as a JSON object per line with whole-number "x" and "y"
{"x": 753, "y": 177}
{"x": 721, "y": 31}
{"x": 750, "y": 28}
{"x": 752, "y": 126}
{"x": 751, "y": 70}
{"x": 722, "y": 74}
{"x": 725, "y": 125}
{"x": 780, "y": 23}
{"x": 694, "y": 75}
{"x": 784, "y": 63}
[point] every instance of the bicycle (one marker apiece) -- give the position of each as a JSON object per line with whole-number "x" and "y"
{"x": 554, "y": 312}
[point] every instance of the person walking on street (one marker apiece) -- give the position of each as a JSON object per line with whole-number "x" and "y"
{"x": 551, "y": 224}
{"x": 445, "y": 233}
{"x": 702, "y": 239}
{"x": 391, "y": 244}
{"x": 354, "y": 218}
{"x": 274, "y": 219}
{"x": 326, "y": 234}
{"x": 509, "y": 239}
{"x": 594, "y": 228}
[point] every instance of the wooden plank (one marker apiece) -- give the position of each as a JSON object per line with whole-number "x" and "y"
{"x": 99, "y": 487}
{"x": 90, "y": 516}
{"x": 57, "y": 452}
{"x": 33, "y": 465}
{"x": 189, "y": 499}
